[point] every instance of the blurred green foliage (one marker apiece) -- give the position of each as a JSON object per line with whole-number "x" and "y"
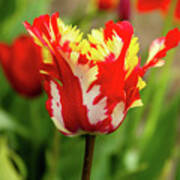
{"x": 7, "y": 169}
{"x": 31, "y": 148}
{"x": 15, "y": 12}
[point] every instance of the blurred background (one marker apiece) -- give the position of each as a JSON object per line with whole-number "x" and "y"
{"x": 146, "y": 146}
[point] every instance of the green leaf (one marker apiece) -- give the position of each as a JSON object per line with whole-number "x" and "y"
{"x": 177, "y": 173}
{"x": 7, "y": 168}
{"x": 7, "y": 9}
{"x": 24, "y": 10}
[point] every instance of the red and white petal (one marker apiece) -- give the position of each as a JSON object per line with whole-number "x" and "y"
{"x": 55, "y": 107}
{"x": 159, "y": 48}
{"x": 97, "y": 112}
{"x": 52, "y": 33}
{"x": 123, "y": 30}
{"x": 156, "y": 46}
{"x": 87, "y": 75}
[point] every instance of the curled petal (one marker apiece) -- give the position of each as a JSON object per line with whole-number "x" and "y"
{"x": 159, "y": 48}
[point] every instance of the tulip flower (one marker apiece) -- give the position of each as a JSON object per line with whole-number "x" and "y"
{"x": 92, "y": 82}
{"x": 20, "y": 62}
{"x": 162, "y": 5}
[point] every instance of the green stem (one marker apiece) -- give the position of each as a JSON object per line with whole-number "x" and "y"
{"x": 88, "y": 157}
{"x": 55, "y": 155}
{"x": 34, "y": 159}
{"x": 35, "y": 143}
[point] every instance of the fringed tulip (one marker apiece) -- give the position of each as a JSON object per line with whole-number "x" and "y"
{"x": 92, "y": 83}
{"x": 20, "y": 62}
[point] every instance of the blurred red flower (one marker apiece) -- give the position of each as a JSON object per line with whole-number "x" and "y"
{"x": 20, "y": 62}
{"x": 162, "y": 5}
{"x": 124, "y": 10}
{"x": 123, "y": 7}
{"x": 107, "y": 4}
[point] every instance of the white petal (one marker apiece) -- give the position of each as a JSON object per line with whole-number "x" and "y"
{"x": 118, "y": 114}
{"x": 57, "y": 108}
